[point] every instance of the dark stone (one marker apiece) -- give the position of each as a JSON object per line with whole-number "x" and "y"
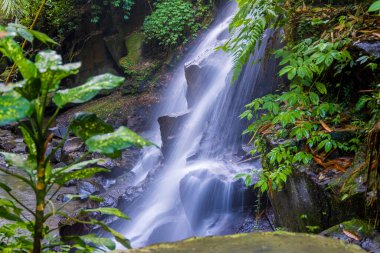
{"x": 371, "y": 48}
{"x": 72, "y": 145}
{"x": 116, "y": 47}
{"x": 169, "y": 126}
{"x": 198, "y": 74}
{"x": 88, "y": 187}
{"x": 305, "y": 202}
{"x": 59, "y": 131}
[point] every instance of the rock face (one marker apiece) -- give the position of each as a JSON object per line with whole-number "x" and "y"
{"x": 169, "y": 127}
{"x": 371, "y": 48}
{"x": 305, "y": 203}
{"x": 254, "y": 243}
{"x": 100, "y": 46}
{"x": 198, "y": 74}
{"x": 310, "y": 202}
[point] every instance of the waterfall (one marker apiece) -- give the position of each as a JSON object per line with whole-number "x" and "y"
{"x": 194, "y": 193}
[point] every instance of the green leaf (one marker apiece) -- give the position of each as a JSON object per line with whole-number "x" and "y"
{"x": 119, "y": 140}
{"x": 98, "y": 241}
{"x": 118, "y": 237}
{"x": 321, "y": 88}
{"x": 85, "y": 125}
{"x": 49, "y": 64}
{"x": 77, "y": 166}
{"x": 42, "y": 37}
{"x": 28, "y": 139}
{"x": 292, "y": 73}
{"x": 78, "y": 174}
{"x": 9, "y": 211}
{"x": 11, "y": 49}
{"x": 107, "y": 211}
{"x": 13, "y": 108}
{"x": 88, "y": 90}
{"x": 374, "y": 6}
{"x": 314, "y": 98}
{"x": 24, "y": 162}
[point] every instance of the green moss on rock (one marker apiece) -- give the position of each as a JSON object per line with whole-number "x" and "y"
{"x": 254, "y": 243}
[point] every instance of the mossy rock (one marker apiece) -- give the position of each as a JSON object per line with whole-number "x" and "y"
{"x": 357, "y": 227}
{"x": 254, "y": 243}
{"x": 134, "y": 43}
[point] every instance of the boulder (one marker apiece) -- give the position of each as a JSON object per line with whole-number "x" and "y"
{"x": 115, "y": 46}
{"x": 370, "y": 47}
{"x": 360, "y": 232}
{"x": 72, "y": 145}
{"x": 253, "y": 243}
{"x": 169, "y": 126}
{"x": 198, "y": 74}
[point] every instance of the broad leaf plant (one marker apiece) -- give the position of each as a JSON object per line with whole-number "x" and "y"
{"x": 23, "y": 104}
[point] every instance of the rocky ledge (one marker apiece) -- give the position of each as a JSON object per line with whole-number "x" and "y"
{"x": 254, "y": 243}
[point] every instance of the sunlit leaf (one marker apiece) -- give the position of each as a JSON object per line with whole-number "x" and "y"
{"x": 119, "y": 140}
{"x": 107, "y": 211}
{"x": 85, "y": 125}
{"x": 78, "y": 174}
{"x": 88, "y": 90}
{"x": 49, "y": 64}
{"x": 11, "y": 49}
{"x": 13, "y": 108}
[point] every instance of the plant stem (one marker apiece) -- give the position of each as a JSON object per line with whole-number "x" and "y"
{"x": 25, "y": 41}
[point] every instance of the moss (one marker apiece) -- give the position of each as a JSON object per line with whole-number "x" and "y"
{"x": 254, "y": 243}
{"x": 134, "y": 43}
{"x": 356, "y": 226}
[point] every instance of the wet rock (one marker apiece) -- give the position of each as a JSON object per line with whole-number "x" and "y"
{"x": 169, "y": 127}
{"x": 59, "y": 131}
{"x": 115, "y": 46}
{"x": 371, "y": 48}
{"x": 198, "y": 76}
{"x": 305, "y": 202}
{"x": 88, "y": 187}
{"x": 355, "y": 231}
{"x": 20, "y": 146}
{"x": 72, "y": 145}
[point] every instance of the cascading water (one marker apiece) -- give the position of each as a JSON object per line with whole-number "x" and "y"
{"x": 194, "y": 193}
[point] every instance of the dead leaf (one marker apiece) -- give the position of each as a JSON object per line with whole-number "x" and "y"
{"x": 325, "y": 126}
{"x": 351, "y": 235}
{"x": 3, "y": 34}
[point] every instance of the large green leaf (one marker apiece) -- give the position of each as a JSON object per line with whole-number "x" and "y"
{"x": 118, "y": 237}
{"x": 85, "y": 125}
{"x": 9, "y": 211}
{"x": 11, "y": 49}
{"x": 119, "y": 140}
{"x": 42, "y": 37}
{"x": 108, "y": 211}
{"x": 88, "y": 90}
{"x": 49, "y": 64}
{"x": 78, "y": 174}
{"x": 98, "y": 241}
{"x": 29, "y": 141}
{"x": 24, "y": 162}
{"x": 13, "y": 108}
{"x": 375, "y": 6}
{"x": 76, "y": 166}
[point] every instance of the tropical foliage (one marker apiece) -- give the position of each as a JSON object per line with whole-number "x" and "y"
{"x": 300, "y": 124}
{"x": 174, "y": 21}
{"x": 24, "y": 103}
